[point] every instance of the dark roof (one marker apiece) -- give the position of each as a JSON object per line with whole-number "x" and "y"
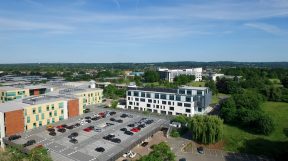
{"x": 166, "y": 90}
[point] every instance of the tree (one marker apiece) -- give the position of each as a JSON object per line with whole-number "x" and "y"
{"x": 39, "y": 154}
{"x": 228, "y": 110}
{"x": 161, "y": 152}
{"x": 206, "y": 129}
{"x": 211, "y": 84}
{"x": 114, "y": 104}
{"x": 183, "y": 79}
{"x": 284, "y": 81}
{"x": 151, "y": 76}
{"x": 112, "y": 92}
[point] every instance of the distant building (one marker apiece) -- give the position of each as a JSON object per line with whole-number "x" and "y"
{"x": 102, "y": 85}
{"x": 184, "y": 100}
{"x": 170, "y": 74}
{"x": 12, "y": 93}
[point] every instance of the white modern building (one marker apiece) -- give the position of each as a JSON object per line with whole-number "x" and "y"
{"x": 184, "y": 100}
{"x": 170, "y": 74}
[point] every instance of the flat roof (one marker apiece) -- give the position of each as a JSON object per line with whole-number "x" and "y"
{"x": 12, "y": 106}
{"x": 191, "y": 87}
{"x": 78, "y": 90}
{"x": 9, "y": 88}
{"x": 166, "y": 90}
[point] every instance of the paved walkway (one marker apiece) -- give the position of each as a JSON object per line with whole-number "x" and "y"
{"x": 177, "y": 145}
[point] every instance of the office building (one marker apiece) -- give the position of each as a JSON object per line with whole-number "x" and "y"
{"x": 184, "y": 100}
{"x": 170, "y": 74}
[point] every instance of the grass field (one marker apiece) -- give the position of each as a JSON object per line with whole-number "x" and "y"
{"x": 197, "y": 84}
{"x": 238, "y": 140}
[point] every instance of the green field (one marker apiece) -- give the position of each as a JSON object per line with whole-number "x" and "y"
{"x": 197, "y": 84}
{"x": 238, "y": 140}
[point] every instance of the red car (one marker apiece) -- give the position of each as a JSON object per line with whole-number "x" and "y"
{"x": 87, "y": 129}
{"x": 59, "y": 127}
{"x": 135, "y": 129}
{"x": 102, "y": 114}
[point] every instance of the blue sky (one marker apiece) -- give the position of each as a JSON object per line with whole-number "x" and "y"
{"x": 97, "y": 31}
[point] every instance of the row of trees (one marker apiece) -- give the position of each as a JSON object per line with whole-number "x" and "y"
{"x": 244, "y": 110}
{"x": 112, "y": 92}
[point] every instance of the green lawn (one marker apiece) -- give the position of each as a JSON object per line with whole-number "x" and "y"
{"x": 197, "y": 84}
{"x": 215, "y": 98}
{"x": 241, "y": 141}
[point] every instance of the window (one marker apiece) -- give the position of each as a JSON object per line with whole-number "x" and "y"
{"x": 187, "y": 105}
{"x": 136, "y": 94}
{"x": 154, "y": 101}
{"x": 61, "y": 104}
{"x": 163, "y": 96}
{"x": 37, "y": 117}
{"x": 130, "y": 103}
{"x": 55, "y": 113}
{"x": 50, "y": 114}
{"x": 34, "y": 110}
{"x": 142, "y": 94}
{"x": 182, "y": 91}
{"x": 25, "y": 112}
{"x": 28, "y": 119}
{"x": 188, "y": 110}
{"x": 178, "y": 98}
{"x": 136, "y": 99}
{"x": 34, "y": 125}
{"x": 47, "y": 108}
{"x": 42, "y": 116}
{"x": 148, "y": 95}
{"x": 171, "y": 108}
{"x": 189, "y": 92}
{"x": 150, "y": 100}
{"x": 157, "y": 106}
{"x": 164, "y": 102}
{"x": 171, "y": 97}
{"x": 62, "y": 112}
{"x": 129, "y": 93}
{"x": 188, "y": 99}
{"x": 53, "y": 120}
{"x": 40, "y": 109}
{"x": 61, "y": 118}
{"x": 169, "y": 103}
{"x": 199, "y": 92}
{"x": 48, "y": 121}
{"x": 157, "y": 95}
{"x": 148, "y": 105}
{"x": 40, "y": 123}
{"x": 52, "y": 106}
{"x": 142, "y": 99}
{"x": 179, "y": 104}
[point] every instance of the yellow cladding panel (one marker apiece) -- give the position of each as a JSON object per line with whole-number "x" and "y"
{"x": 44, "y": 112}
{"x": 89, "y": 98}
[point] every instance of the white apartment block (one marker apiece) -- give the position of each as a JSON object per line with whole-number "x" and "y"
{"x": 170, "y": 74}
{"x": 184, "y": 100}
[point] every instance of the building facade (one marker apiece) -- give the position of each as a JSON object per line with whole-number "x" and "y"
{"x": 170, "y": 74}
{"x": 184, "y": 100}
{"x": 12, "y": 93}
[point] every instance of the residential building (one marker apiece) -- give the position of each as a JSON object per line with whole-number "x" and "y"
{"x": 185, "y": 100}
{"x": 170, "y": 74}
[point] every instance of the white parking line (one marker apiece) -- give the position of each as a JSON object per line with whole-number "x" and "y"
{"x": 72, "y": 153}
{"x": 92, "y": 159}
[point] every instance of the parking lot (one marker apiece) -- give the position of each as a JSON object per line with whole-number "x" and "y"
{"x": 61, "y": 148}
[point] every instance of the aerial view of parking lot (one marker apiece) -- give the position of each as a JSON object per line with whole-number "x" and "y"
{"x": 99, "y": 135}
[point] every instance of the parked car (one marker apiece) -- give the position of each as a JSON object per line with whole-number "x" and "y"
{"x": 131, "y": 125}
{"x": 182, "y": 159}
{"x": 91, "y": 127}
{"x": 76, "y": 125}
{"x": 88, "y": 121}
{"x": 135, "y": 130}
{"x": 123, "y": 129}
{"x": 87, "y": 129}
{"x": 109, "y": 124}
{"x": 52, "y": 133}
{"x": 124, "y": 115}
{"x": 74, "y": 141}
{"x": 115, "y": 140}
{"x": 70, "y": 127}
{"x": 112, "y": 113}
{"x": 29, "y": 143}
{"x": 87, "y": 117}
{"x": 98, "y": 130}
{"x": 144, "y": 144}
{"x": 51, "y": 130}
{"x": 95, "y": 118}
{"x": 100, "y": 149}
{"x": 49, "y": 127}
{"x": 73, "y": 135}
{"x": 14, "y": 137}
{"x": 200, "y": 150}
{"x": 109, "y": 137}
{"x": 128, "y": 133}
{"x": 59, "y": 127}
{"x": 119, "y": 121}
{"x": 86, "y": 110}
{"x": 61, "y": 130}
{"x": 64, "y": 125}
{"x": 112, "y": 119}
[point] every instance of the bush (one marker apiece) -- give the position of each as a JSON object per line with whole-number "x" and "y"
{"x": 174, "y": 133}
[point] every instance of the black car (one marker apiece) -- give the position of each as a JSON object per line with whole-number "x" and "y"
{"x": 73, "y": 135}
{"x": 88, "y": 117}
{"x": 182, "y": 159}
{"x": 149, "y": 122}
{"x": 141, "y": 126}
{"x": 52, "y": 133}
{"x": 128, "y": 133}
{"x": 88, "y": 121}
{"x": 109, "y": 137}
{"x": 100, "y": 149}
{"x": 200, "y": 150}
{"x": 112, "y": 113}
{"x": 123, "y": 129}
{"x": 115, "y": 140}
{"x": 74, "y": 141}
{"x": 51, "y": 130}
{"x": 131, "y": 125}
{"x": 77, "y": 125}
{"x": 14, "y": 137}
{"x": 112, "y": 119}
{"x": 144, "y": 144}
{"x": 62, "y": 130}
{"x": 70, "y": 127}
{"x": 91, "y": 127}
{"x": 64, "y": 125}
{"x": 95, "y": 118}
{"x": 29, "y": 143}
{"x": 109, "y": 124}
{"x": 119, "y": 121}
{"x": 124, "y": 115}
{"x": 86, "y": 110}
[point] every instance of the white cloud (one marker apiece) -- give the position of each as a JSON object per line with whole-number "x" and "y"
{"x": 267, "y": 28}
